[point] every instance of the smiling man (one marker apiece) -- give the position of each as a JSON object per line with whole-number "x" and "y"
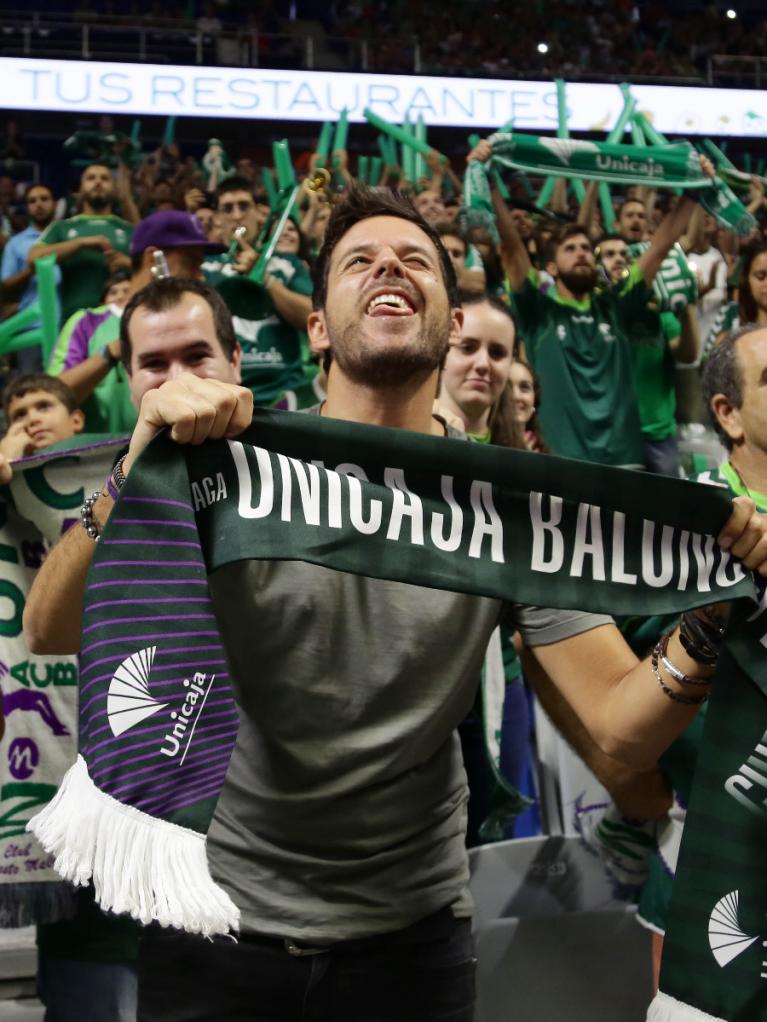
{"x": 340, "y": 829}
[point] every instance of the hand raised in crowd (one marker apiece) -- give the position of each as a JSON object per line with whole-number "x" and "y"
{"x": 194, "y": 198}
{"x": 745, "y": 535}
{"x": 482, "y": 151}
{"x": 244, "y": 259}
{"x": 195, "y": 409}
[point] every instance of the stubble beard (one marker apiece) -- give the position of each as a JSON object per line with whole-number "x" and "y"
{"x": 373, "y": 363}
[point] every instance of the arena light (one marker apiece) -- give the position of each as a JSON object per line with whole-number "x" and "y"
{"x": 543, "y": 47}
{"x": 731, "y": 14}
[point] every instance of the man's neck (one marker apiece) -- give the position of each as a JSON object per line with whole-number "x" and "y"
{"x": 40, "y": 225}
{"x": 751, "y": 465}
{"x": 403, "y": 406}
{"x": 88, "y": 210}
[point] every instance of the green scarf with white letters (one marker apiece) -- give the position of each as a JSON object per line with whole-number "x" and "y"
{"x": 158, "y": 719}
{"x": 666, "y": 166}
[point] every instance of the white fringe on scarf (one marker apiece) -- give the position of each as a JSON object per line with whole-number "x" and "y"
{"x": 668, "y": 1009}
{"x": 150, "y": 869}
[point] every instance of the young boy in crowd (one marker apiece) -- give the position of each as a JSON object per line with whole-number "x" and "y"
{"x": 86, "y": 964}
{"x": 39, "y": 411}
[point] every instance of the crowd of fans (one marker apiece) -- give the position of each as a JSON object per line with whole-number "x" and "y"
{"x": 565, "y": 346}
{"x": 546, "y": 38}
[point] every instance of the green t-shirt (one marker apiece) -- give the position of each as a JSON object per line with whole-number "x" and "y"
{"x": 580, "y": 351}
{"x": 109, "y": 409}
{"x": 653, "y": 367}
{"x": 273, "y": 352}
{"x": 85, "y": 273}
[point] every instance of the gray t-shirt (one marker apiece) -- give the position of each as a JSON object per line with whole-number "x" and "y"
{"x": 343, "y": 813}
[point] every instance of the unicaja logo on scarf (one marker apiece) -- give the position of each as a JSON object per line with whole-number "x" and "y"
{"x": 185, "y": 719}
{"x": 725, "y": 936}
{"x": 128, "y": 700}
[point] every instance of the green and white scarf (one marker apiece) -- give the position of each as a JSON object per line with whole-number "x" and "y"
{"x": 667, "y": 166}
{"x": 39, "y": 693}
{"x": 157, "y": 716}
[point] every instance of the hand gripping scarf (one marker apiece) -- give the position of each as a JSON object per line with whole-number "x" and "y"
{"x": 666, "y": 166}
{"x": 157, "y": 715}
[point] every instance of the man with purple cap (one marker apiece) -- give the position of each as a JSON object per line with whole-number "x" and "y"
{"x": 87, "y": 354}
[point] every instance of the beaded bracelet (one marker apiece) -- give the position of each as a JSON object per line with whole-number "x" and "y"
{"x": 87, "y": 519}
{"x": 678, "y": 697}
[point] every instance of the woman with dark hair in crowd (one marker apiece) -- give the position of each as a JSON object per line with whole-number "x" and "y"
{"x": 525, "y": 390}
{"x": 474, "y": 383}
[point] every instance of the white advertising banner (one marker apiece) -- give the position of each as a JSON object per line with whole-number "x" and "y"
{"x": 261, "y": 94}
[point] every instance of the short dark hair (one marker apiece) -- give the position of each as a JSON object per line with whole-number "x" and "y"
{"x": 25, "y": 383}
{"x": 234, "y": 184}
{"x": 39, "y": 184}
{"x": 361, "y": 203}
{"x": 632, "y": 198}
{"x": 560, "y": 236}
{"x": 722, "y": 374}
{"x": 94, "y": 163}
{"x": 167, "y": 293}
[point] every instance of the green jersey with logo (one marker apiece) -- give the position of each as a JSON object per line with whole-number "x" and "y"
{"x": 653, "y": 367}
{"x": 580, "y": 351}
{"x": 273, "y": 352}
{"x": 84, "y": 274}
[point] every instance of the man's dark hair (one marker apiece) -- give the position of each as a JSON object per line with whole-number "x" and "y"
{"x": 722, "y": 374}
{"x": 234, "y": 184}
{"x": 95, "y": 163}
{"x": 161, "y": 295}
{"x": 31, "y": 188}
{"x": 632, "y": 198}
{"x": 361, "y": 203}
{"x": 560, "y": 236}
{"x": 24, "y": 384}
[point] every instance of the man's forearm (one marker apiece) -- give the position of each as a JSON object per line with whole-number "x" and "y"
{"x": 514, "y": 255}
{"x": 83, "y": 379}
{"x": 53, "y": 611}
{"x": 14, "y": 287}
{"x": 292, "y": 307}
{"x": 640, "y": 718}
{"x": 669, "y": 231}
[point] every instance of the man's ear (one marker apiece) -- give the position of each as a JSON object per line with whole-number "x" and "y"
{"x": 317, "y": 329}
{"x": 236, "y": 362}
{"x": 551, "y": 269}
{"x": 146, "y": 258}
{"x": 728, "y": 417}
{"x": 78, "y": 421}
{"x": 456, "y": 325}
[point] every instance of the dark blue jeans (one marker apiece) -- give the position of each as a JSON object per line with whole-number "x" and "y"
{"x": 424, "y": 973}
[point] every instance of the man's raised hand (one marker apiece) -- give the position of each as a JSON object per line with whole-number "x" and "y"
{"x": 745, "y": 535}
{"x": 194, "y": 409}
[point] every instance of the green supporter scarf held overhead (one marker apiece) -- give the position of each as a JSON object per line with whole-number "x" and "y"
{"x": 157, "y": 715}
{"x": 663, "y": 166}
